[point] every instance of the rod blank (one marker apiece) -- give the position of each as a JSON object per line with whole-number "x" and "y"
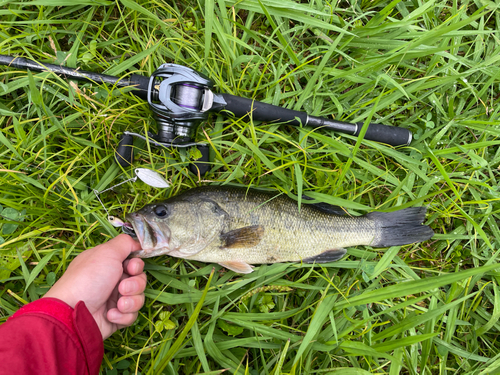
{"x": 139, "y": 82}
{"x": 238, "y": 106}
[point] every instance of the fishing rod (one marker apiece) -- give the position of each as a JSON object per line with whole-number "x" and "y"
{"x": 181, "y": 98}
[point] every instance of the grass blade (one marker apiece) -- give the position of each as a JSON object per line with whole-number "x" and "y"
{"x": 180, "y": 340}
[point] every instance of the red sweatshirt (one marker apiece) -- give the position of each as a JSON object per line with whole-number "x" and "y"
{"x": 48, "y": 336}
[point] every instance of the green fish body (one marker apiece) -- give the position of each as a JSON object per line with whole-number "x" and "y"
{"x": 238, "y": 227}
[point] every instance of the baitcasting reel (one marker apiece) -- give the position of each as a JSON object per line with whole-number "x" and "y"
{"x": 181, "y": 98}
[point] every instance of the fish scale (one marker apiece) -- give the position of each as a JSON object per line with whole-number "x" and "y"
{"x": 237, "y": 227}
{"x": 290, "y": 235}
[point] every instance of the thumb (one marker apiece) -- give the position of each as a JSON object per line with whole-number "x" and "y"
{"x": 120, "y": 247}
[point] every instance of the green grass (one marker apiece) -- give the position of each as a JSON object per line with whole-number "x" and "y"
{"x": 432, "y": 67}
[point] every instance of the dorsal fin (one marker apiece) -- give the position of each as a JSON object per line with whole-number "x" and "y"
{"x": 327, "y": 208}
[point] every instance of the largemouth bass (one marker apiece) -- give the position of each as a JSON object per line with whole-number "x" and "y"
{"x": 238, "y": 227}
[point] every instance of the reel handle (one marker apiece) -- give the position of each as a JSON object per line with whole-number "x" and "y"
{"x": 124, "y": 154}
{"x": 201, "y": 165}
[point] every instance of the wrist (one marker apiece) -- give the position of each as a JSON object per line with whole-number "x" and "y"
{"x": 61, "y": 295}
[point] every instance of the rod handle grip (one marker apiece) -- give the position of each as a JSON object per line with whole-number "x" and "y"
{"x": 244, "y": 108}
{"x": 391, "y": 135}
{"x": 141, "y": 85}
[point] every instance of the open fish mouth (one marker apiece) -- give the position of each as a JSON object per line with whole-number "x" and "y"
{"x": 127, "y": 228}
{"x": 152, "y": 235}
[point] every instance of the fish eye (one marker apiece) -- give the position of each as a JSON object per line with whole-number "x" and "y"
{"x": 160, "y": 211}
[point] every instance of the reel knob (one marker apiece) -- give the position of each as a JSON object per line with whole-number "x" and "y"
{"x": 125, "y": 152}
{"x": 201, "y": 165}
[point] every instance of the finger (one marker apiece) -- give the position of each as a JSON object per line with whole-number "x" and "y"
{"x": 133, "y": 266}
{"x": 113, "y": 299}
{"x": 115, "y": 294}
{"x": 129, "y": 304}
{"x": 122, "y": 319}
{"x": 121, "y": 246}
{"x": 133, "y": 285}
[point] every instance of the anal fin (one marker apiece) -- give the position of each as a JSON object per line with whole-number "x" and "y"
{"x": 326, "y": 256}
{"x": 237, "y": 266}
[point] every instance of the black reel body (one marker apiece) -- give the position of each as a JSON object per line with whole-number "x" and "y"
{"x": 180, "y": 99}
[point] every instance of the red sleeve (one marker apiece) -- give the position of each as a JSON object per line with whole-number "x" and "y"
{"x": 48, "y": 336}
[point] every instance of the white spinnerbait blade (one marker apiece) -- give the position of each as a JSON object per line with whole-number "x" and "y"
{"x": 151, "y": 178}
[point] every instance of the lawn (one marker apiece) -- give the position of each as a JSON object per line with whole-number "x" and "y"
{"x": 429, "y": 66}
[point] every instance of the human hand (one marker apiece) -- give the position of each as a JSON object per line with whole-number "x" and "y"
{"x": 111, "y": 285}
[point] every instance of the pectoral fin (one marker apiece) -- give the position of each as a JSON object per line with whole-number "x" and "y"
{"x": 237, "y": 266}
{"x": 327, "y": 256}
{"x": 242, "y": 237}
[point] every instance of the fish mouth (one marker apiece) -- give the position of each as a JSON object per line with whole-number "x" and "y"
{"x": 153, "y": 236}
{"x": 127, "y": 228}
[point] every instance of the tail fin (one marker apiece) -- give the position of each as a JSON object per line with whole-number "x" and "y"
{"x": 401, "y": 227}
